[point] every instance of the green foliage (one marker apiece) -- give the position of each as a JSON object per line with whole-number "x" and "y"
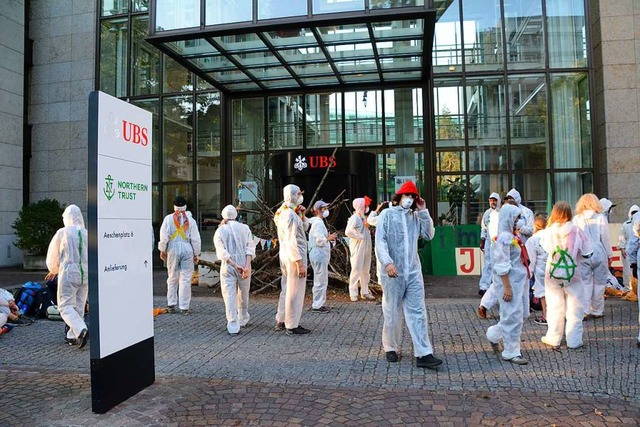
{"x": 36, "y": 224}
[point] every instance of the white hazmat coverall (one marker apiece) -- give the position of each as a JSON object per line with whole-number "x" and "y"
{"x": 487, "y": 270}
{"x": 234, "y": 243}
{"x": 594, "y": 270}
{"x": 538, "y": 258}
{"x": 360, "y": 250}
{"x": 293, "y": 247}
{"x": 526, "y": 229}
{"x": 397, "y": 235}
{"x": 563, "y": 297}
{"x": 626, "y": 232}
{"x": 632, "y": 249}
{"x": 181, "y": 243}
{"x": 506, "y": 261}
{"x": 319, "y": 256}
{"x": 68, "y": 258}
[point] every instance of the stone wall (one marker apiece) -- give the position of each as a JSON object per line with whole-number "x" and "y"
{"x": 64, "y": 37}
{"x": 11, "y": 122}
{"x": 615, "y": 32}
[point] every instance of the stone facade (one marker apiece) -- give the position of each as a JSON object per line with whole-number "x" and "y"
{"x": 11, "y": 124}
{"x": 64, "y": 34}
{"x": 615, "y": 34}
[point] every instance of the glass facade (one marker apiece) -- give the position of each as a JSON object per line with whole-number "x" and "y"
{"x": 508, "y": 104}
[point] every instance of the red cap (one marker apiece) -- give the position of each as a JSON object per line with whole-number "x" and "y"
{"x": 408, "y": 188}
{"x": 367, "y": 200}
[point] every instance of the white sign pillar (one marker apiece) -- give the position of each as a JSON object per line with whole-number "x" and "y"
{"x": 120, "y": 250}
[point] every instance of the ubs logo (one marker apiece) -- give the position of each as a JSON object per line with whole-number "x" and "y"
{"x": 127, "y": 130}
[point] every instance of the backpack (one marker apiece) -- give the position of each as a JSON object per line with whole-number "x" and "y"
{"x": 563, "y": 266}
{"x": 41, "y": 302}
{"x": 25, "y": 297}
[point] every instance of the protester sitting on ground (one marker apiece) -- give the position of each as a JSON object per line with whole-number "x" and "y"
{"x": 10, "y": 310}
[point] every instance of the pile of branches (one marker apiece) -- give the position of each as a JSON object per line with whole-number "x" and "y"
{"x": 266, "y": 272}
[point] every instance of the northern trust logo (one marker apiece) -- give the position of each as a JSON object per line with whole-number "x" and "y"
{"x": 124, "y": 190}
{"x": 108, "y": 190}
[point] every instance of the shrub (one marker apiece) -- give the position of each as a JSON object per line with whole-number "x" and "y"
{"x": 36, "y": 224}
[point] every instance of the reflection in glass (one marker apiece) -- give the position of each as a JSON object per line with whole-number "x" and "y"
{"x": 208, "y": 137}
{"x": 363, "y": 117}
{"x": 403, "y": 116}
{"x": 115, "y": 7}
{"x": 569, "y": 186}
{"x": 452, "y": 193}
{"x": 535, "y": 190}
{"x": 248, "y": 124}
{"x": 176, "y": 77}
{"x": 481, "y": 187}
{"x": 387, "y": 4}
{"x": 529, "y": 131}
{"x": 153, "y": 106}
{"x": 567, "y": 34}
{"x": 524, "y": 30}
{"x": 324, "y": 119}
{"x": 270, "y": 9}
{"x": 140, "y": 5}
{"x": 447, "y": 39}
{"x": 113, "y": 56}
{"x": 486, "y": 124}
{"x": 449, "y": 121}
{"x": 228, "y": 11}
{"x": 176, "y": 14}
{"x": 571, "y": 120}
{"x": 209, "y": 208}
{"x": 331, "y": 6}
{"x": 249, "y": 167}
{"x": 145, "y": 60}
{"x": 177, "y": 149}
{"x": 482, "y": 35}
{"x": 286, "y": 121}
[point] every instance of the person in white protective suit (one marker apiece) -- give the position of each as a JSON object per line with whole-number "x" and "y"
{"x": 357, "y": 231}
{"x": 538, "y": 259}
{"x": 509, "y": 266}
{"x": 613, "y": 286}
{"x": 485, "y": 243}
{"x": 396, "y": 249}
{"x": 568, "y": 246}
{"x": 67, "y": 257}
{"x": 235, "y": 248}
{"x": 525, "y": 229}
{"x": 634, "y": 254}
{"x": 319, "y": 255}
{"x": 626, "y": 233}
{"x": 291, "y": 224}
{"x": 595, "y": 270}
{"x": 179, "y": 246}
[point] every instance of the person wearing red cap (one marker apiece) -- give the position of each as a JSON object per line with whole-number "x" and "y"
{"x": 397, "y": 234}
{"x": 357, "y": 231}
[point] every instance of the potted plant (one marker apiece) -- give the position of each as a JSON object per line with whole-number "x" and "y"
{"x": 35, "y": 226}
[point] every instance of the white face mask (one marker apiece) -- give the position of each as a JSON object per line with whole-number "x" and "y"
{"x": 325, "y": 214}
{"x": 406, "y": 202}
{"x": 366, "y": 210}
{"x": 300, "y": 199}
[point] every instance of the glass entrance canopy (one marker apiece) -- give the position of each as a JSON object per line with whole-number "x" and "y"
{"x": 260, "y": 52}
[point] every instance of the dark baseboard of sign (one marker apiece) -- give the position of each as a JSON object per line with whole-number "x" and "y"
{"x": 121, "y": 375}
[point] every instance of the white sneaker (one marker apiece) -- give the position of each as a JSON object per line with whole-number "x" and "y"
{"x": 368, "y": 297}
{"x": 354, "y": 299}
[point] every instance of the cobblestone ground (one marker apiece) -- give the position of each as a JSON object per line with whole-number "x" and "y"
{"x": 336, "y": 375}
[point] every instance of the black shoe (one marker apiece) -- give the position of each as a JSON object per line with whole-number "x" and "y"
{"x": 171, "y": 309}
{"x": 299, "y": 330}
{"x": 428, "y": 361}
{"x": 71, "y": 341}
{"x": 481, "y": 292}
{"x": 322, "y": 309}
{"x": 20, "y": 321}
{"x": 392, "y": 356}
{"x": 280, "y": 327}
{"x": 83, "y": 338}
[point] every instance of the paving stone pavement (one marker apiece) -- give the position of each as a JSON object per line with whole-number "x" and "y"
{"x": 336, "y": 375}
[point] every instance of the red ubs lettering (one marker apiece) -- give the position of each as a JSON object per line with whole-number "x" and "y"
{"x": 134, "y": 133}
{"x": 322, "y": 161}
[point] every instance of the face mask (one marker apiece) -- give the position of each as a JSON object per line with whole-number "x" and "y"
{"x": 301, "y": 199}
{"x": 366, "y": 210}
{"x": 325, "y": 214}
{"x": 406, "y": 202}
